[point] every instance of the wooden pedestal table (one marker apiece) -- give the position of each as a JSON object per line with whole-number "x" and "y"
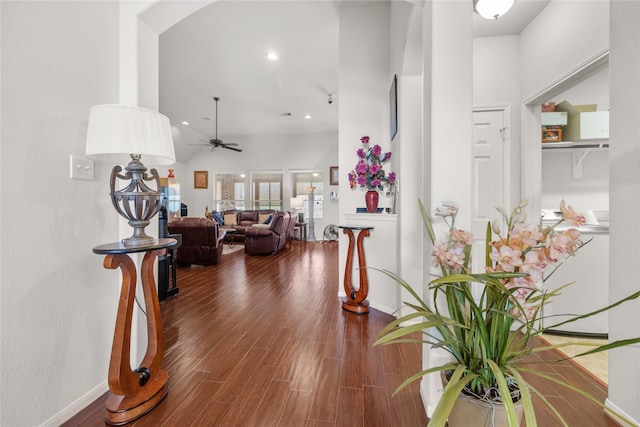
{"x": 356, "y": 301}
{"x": 135, "y": 392}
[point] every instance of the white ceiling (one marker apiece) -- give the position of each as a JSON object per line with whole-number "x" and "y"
{"x": 221, "y": 51}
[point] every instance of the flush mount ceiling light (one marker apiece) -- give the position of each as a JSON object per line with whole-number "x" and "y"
{"x": 272, "y": 56}
{"x": 492, "y": 9}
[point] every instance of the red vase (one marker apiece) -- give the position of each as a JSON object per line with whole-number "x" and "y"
{"x": 371, "y": 200}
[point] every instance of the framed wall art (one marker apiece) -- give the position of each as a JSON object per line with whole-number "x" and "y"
{"x": 393, "y": 107}
{"x": 333, "y": 175}
{"x": 200, "y": 179}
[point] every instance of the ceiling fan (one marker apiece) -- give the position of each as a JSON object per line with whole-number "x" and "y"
{"x": 215, "y": 142}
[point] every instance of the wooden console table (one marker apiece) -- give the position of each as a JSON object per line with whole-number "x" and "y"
{"x": 356, "y": 301}
{"x": 135, "y": 392}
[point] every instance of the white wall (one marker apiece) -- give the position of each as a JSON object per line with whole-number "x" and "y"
{"x": 364, "y": 110}
{"x": 591, "y": 191}
{"x": 592, "y": 90}
{"x": 58, "y": 304}
{"x": 563, "y": 36}
{"x": 491, "y": 88}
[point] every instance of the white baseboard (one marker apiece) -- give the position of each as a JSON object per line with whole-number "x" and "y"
{"x": 383, "y": 308}
{"x": 77, "y": 406}
{"x": 423, "y": 397}
{"x": 613, "y": 407}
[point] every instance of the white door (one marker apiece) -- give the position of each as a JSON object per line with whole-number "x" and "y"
{"x": 490, "y": 153}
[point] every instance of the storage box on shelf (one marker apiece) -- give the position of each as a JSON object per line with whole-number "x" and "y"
{"x": 584, "y": 122}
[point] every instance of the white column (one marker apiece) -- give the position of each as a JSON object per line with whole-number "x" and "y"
{"x": 448, "y": 100}
{"x": 624, "y": 197}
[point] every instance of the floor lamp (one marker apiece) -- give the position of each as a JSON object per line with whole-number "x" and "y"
{"x": 311, "y": 236}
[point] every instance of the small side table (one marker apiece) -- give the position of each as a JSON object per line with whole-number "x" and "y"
{"x": 134, "y": 393}
{"x": 356, "y": 301}
{"x": 302, "y": 230}
{"x": 228, "y": 237}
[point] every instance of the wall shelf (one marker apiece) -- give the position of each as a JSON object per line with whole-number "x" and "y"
{"x": 604, "y": 143}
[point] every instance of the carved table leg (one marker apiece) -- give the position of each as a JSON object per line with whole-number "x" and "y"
{"x": 135, "y": 392}
{"x": 356, "y": 301}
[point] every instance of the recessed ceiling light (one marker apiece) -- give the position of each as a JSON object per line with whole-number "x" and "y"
{"x": 307, "y": 116}
{"x": 185, "y": 123}
{"x": 315, "y": 174}
{"x": 272, "y": 56}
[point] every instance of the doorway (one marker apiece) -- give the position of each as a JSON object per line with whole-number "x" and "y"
{"x": 490, "y": 173}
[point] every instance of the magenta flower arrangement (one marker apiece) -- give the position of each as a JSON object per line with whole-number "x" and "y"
{"x": 368, "y": 171}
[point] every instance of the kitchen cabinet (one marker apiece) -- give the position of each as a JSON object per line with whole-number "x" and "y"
{"x": 589, "y": 292}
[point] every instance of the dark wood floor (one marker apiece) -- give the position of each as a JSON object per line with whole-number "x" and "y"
{"x": 263, "y": 341}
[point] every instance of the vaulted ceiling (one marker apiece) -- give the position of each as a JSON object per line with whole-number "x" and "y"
{"x": 222, "y": 49}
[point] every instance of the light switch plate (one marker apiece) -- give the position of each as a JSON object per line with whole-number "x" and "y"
{"x": 80, "y": 168}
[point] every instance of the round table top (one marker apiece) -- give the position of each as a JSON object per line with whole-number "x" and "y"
{"x": 121, "y": 248}
{"x": 355, "y": 227}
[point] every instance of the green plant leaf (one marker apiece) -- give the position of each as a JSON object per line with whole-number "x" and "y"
{"x": 525, "y": 395}
{"x": 593, "y": 313}
{"x": 449, "y": 396}
{"x": 427, "y": 221}
{"x": 510, "y": 410}
{"x": 421, "y": 374}
{"x": 579, "y": 391}
{"x": 549, "y": 405}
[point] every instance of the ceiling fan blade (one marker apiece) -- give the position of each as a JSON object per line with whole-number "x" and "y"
{"x": 218, "y": 142}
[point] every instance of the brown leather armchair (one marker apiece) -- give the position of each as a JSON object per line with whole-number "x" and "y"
{"x": 266, "y": 241}
{"x": 201, "y": 240}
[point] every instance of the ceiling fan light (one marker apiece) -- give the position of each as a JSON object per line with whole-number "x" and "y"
{"x": 492, "y": 9}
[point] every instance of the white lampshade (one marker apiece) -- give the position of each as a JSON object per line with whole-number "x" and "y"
{"x": 296, "y": 203}
{"x": 117, "y": 131}
{"x": 492, "y": 9}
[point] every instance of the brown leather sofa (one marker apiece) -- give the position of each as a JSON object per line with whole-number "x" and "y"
{"x": 240, "y": 220}
{"x": 266, "y": 241}
{"x": 201, "y": 240}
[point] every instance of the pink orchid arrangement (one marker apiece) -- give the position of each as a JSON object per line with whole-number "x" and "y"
{"x": 486, "y": 320}
{"x": 368, "y": 171}
{"x": 525, "y": 248}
